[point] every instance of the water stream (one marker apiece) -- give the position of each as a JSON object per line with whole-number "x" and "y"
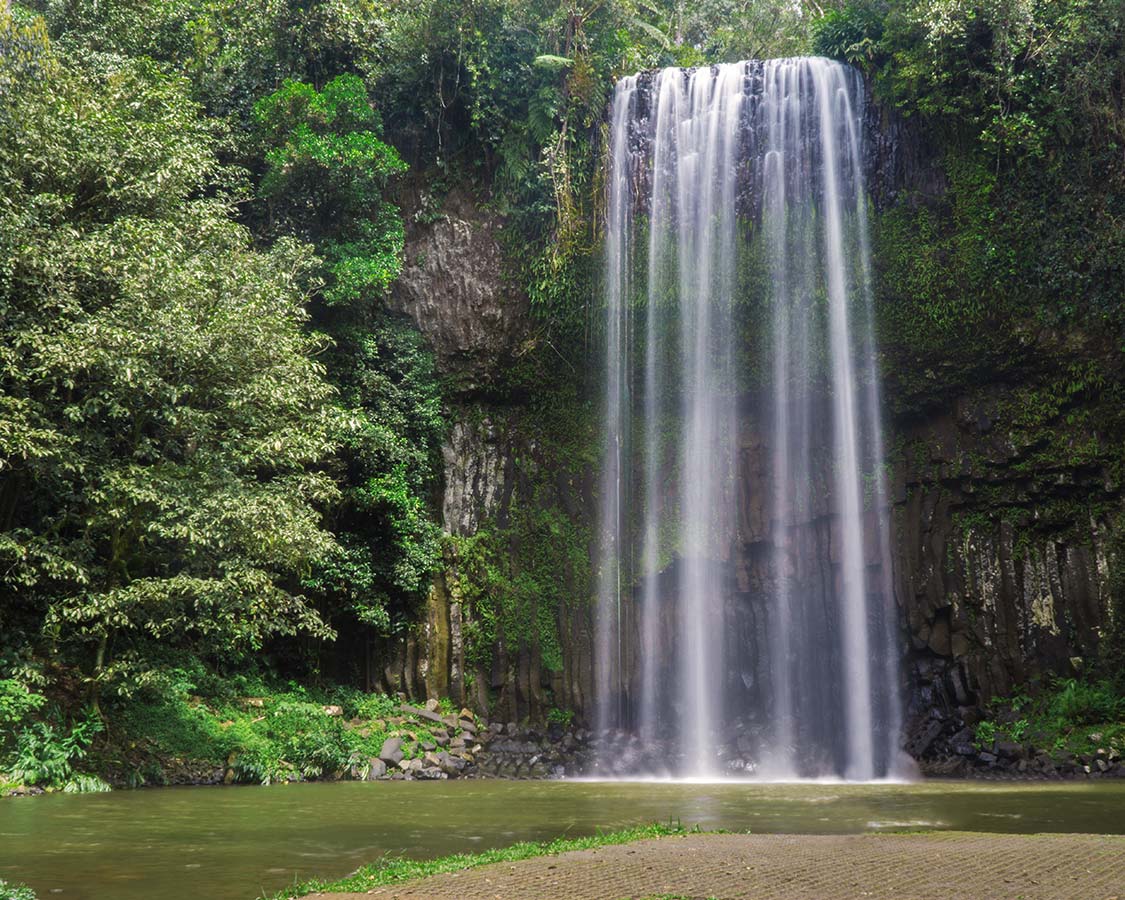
{"x": 738, "y": 304}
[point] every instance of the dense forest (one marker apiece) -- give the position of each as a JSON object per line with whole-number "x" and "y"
{"x": 225, "y": 448}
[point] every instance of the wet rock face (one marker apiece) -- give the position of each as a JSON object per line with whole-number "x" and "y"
{"x": 453, "y": 287}
{"x": 1000, "y": 571}
{"x": 898, "y": 158}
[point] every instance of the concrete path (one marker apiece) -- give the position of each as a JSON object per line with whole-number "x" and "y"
{"x": 933, "y": 866}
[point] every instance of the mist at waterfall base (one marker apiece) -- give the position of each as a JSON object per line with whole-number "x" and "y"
{"x": 745, "y": 617}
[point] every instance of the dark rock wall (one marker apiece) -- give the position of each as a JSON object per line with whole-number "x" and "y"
{"x": 478, "y": 323}
{"x": 453, "y": 286}
{"x": 1003, "y": 560}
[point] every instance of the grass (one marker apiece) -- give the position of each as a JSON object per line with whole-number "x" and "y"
{"x": 393, "y": 870}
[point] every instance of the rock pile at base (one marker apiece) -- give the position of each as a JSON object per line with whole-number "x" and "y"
{"x": 462, "y": 745}
{"x": 945, "y": 746}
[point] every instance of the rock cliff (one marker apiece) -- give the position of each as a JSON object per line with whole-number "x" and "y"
{"x": 453, "y": 286}
{"x": 506, "y": 626}
{"x": 1007, "y": 510}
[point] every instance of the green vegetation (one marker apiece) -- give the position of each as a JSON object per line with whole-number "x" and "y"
{"x": 164, "y": 418}
{"x": 395, "y": 870}
{"x": 326, "y": 178}
{"x": 10, "y": 891}
{"x": 254, "y": 732}
{"x": 509, "y": 578}
{"x": 1070, "y": 718}
{"x": 204, "y": 728}
{"x": 1022, "y": 102}
{"x": 43, "y": 756}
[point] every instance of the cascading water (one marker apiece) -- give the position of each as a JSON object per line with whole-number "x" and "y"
{"x": 743, "y": 454}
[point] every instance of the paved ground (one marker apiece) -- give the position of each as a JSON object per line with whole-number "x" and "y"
{"x": 935, "y": 866}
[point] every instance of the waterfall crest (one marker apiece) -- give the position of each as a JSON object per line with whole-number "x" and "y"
{"x": 745, "y": 610}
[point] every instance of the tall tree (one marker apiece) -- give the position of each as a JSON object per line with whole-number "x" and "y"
{"x": 162, "y": 418}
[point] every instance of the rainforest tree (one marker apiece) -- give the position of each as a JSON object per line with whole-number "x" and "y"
{"x": 162, "y": 418}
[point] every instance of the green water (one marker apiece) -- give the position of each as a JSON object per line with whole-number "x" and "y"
{"x": 233, "y": 843}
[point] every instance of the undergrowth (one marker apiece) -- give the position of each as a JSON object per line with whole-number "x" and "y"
{"x": 9, "y": 891}
{"x": 199, "y": 727}
{"x": 1070, "y": 717}
{"x": 265, "y": 735}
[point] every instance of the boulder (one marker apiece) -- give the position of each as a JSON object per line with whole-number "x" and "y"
{"x": 425, "y": 714}
{"x": 377, "y": 768}
{"x": 391, "y": 752}
{"x": 920, "y": 740}
{"x": 1010, "y": 749}
{"x": 454, "y": 765}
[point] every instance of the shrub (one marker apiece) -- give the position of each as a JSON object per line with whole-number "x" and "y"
{"x": 86, "y": 784}
{"x": 563, "y": 716}
{"x": 985, "y": 734}
{"x": 10, "y": 891}
{"x": 1078, "y": 703}
{"x": 17, "y": 702}
{"x": 1066, "y": 716}
{"x": 45, "y": 756}
{"x": 851, "y": 34}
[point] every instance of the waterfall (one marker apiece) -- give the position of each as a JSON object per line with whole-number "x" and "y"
{"x": 743, "y": 456}
{"x": 608, "y": 648}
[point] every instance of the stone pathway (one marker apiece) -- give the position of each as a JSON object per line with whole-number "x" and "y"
{"x": 933, "y": 866}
